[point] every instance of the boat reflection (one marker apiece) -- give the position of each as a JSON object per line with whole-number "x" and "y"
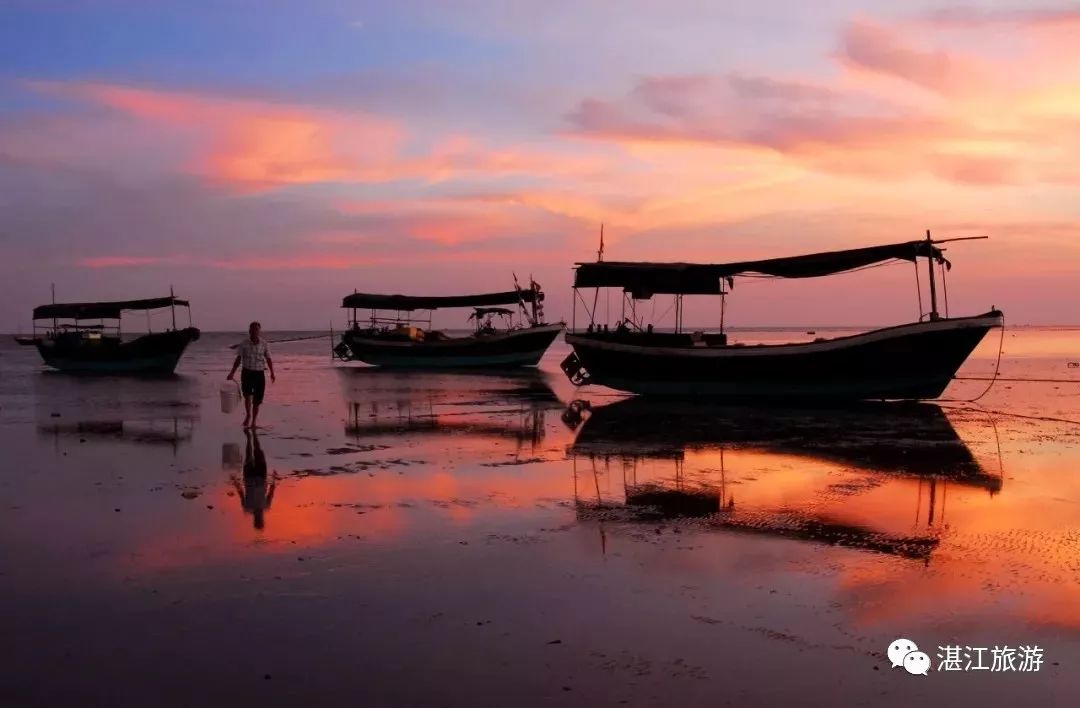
{"x": 448, "y": 387}
{"x": 849, "y": 476}
{"x": 172, "y": 431}
{"x": 156, "y": 412}
{"x": 504, "y": 405}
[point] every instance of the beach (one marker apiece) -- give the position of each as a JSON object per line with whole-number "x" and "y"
{"x": 488, "y": 539}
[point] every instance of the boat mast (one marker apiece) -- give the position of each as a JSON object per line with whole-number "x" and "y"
{"x": 723, "y": 303}
{"x": 933, "y": 284}
{"x": 536, "y": 296}
{"x": 599, "y": 259}
{"x": 53, "y": 287}
{"x": 172, "y": 305}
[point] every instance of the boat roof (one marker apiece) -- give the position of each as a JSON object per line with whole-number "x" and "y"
{"x": 644, "y": 280}
{"x": 410, "y": 302}
{"x": 102, "y": 310}
{"x": 481, "y": 311}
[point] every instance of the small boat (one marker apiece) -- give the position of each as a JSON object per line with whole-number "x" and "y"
{"x": 69, "y": 343}
{"x": 393, "y": 337}
{"x": 908, "y": 361}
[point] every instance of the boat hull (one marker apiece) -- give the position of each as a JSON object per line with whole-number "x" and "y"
{"x": 154, "y": 353}
{"x": 522, "y": 347}
{"x": 914, "y": 361}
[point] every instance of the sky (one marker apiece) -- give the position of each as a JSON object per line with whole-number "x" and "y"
{"x": 265, "y": 158}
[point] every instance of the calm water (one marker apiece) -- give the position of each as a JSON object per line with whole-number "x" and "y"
{"x": 430, "y": 539}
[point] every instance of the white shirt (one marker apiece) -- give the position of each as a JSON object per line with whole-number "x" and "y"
{"x": 253, "y": 355}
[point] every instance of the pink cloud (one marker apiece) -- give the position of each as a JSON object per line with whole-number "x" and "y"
{"x": 129, "y": 261}
{"x": 304, "y": 260}
{"x": 294, "y": 260}
{"x": 978, "y": 170}
{"x": 301, "y": 260}
{"x": 878, "y": 48}
{"x": 903, "y": 108}
{"x": 973, "y": 17}
{"x": 787, "y": 116}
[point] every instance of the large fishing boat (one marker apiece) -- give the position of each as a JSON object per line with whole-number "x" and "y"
{"x": 908, "y": 361}
{"x": 395, "y": 336}
{"x": 69, "y": 339}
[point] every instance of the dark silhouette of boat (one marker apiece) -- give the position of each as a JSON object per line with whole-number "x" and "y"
{"x": 884, "y": 440}
{"x": 910, "y": 361}
{"x": 393, "y": 337}
{"x": 69, "y": 342}
{"x": 900, "y": 438}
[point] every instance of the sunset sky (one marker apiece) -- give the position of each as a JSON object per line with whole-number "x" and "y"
{"x": 268, "y": 157}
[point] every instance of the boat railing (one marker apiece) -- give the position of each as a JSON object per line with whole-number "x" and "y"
{"x": 60, "y": 329}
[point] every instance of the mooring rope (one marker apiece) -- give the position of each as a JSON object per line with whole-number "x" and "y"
{"x": 1010, "y": 414}
{"x": 292, "y": 339}
{"x": 988, "y": 378}
{"x": 993, "y": 379}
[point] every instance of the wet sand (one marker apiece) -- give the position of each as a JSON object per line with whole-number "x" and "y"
{"x": 463, "y": 540}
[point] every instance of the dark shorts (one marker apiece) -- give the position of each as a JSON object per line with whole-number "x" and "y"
{"x": 253, "y": 385}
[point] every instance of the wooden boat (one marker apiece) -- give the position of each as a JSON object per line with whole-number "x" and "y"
{"x": 69, "y": 343}
{"x": 399, "y": 340}
{"x": 910, "y": 361}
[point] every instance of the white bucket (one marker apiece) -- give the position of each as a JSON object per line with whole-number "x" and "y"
{"x": 230, "y": 396}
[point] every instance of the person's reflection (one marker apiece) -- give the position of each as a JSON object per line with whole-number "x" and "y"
{"x": 257, "y": 491}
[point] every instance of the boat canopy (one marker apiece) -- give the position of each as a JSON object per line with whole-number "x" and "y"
{"x": 482, "y": 311}
{"x": 643, "y": 280}
{"x": 102, "y": 310}
{"x": 409, "y": 302}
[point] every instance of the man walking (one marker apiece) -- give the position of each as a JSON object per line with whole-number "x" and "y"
{"x": 255, "y": 356}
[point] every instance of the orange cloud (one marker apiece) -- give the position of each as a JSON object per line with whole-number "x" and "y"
{"x": 252, "y": 143}
{"x": 461, "y": 154}
{"x": 256, "y": 145}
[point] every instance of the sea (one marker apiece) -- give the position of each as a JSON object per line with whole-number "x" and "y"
{"x": 495, "y": 539}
